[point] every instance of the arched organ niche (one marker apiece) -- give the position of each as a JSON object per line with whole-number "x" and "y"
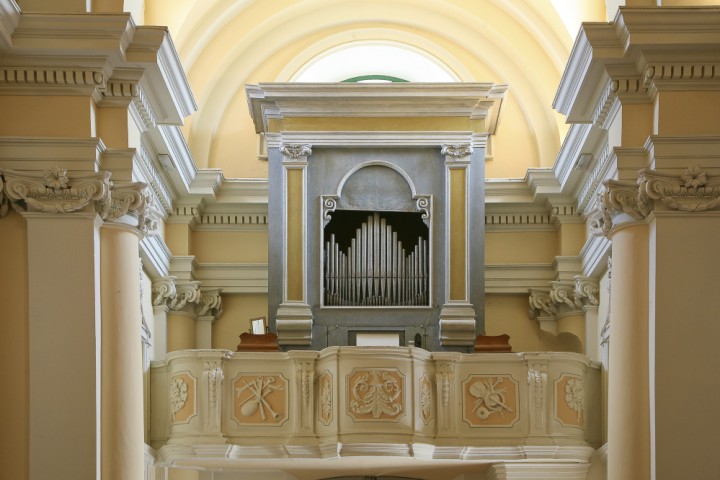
{"x": 376, "y": 241}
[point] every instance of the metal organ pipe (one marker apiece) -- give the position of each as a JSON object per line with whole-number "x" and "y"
{"x": 375, "y": 270}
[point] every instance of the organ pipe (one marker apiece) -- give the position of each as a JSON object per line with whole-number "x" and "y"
{"x": 375, "y": 270}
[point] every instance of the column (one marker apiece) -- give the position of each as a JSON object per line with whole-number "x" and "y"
{"x": 182, "y": 316}
{"x": 294, "y": 318}
{"x": 122, "y": 436}
{"x": 209, "y": 310}
{"x": 457, "y": 314}
{"x": 64, "y": 317}
{"x": 628, "y": 383}
{"x": 163, "y": 289}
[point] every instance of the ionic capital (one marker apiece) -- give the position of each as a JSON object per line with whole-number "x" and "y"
{"x": 295, "y": 152}
{"x": 587, "y": 291}
{"x": 693, "y": 191}
{"x": 163, "y": 291}
{"x": 187, "y": 292}
{"x": 457, "y": 153}
{"x": 54, "y": 191}
{"x": 210, "y": 303}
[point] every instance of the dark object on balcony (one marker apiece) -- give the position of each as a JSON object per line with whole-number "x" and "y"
{"x": 492, "y": 343}
{"x": 266, "y": 342}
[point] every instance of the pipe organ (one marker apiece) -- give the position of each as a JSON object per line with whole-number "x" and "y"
{"x": 376, "y": 269}
{"x": 376, "y": 210}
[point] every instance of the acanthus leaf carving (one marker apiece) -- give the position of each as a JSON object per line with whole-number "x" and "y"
{"x": 426, "y": 400}
{"x": 376, "y": 392}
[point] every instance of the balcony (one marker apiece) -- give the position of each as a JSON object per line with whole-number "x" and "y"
{"x": 217, "y": 409}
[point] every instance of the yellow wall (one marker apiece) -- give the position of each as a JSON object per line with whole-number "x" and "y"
{"x": 526, "y": 247}
{"x": 46, "y": 116}
{"x": 509, "y": 314}
{"x": 237, "y": 312}
{"x": 14, "y": 366}
{"x": 230, "y": 247}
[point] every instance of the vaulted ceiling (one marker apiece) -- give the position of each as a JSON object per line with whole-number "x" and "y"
{"x": 225, "y": 44}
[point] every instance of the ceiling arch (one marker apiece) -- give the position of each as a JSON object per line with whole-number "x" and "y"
{"x": 225, "y": 44}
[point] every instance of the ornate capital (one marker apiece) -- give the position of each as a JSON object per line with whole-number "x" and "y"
{"x": 210, "y": 302}
{"x": 456, "y": 152}
{"x": 163, "y": 291}
{"x": 53, "y": 191}
{"x": 187, "y": 292}
{"x": 563, "y": 294}
{"x": 693, "y": 191}
{"x": 541, "y": 304}
{"x": 295, "y": 152}
{"x": 586, "y": 291}
{"x": 149, "y": 218}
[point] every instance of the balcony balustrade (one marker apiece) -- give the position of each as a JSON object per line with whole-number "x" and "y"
{"x": 374, "y": 401}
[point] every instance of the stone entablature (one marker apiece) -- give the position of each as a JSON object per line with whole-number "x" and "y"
{"x": 373, "y": 400}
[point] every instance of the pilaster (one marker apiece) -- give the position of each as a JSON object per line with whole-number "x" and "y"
{"x": 294, "y": 317}
{"x": 457, "y": 315}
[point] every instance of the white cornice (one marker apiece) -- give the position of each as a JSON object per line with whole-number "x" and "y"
{"x": 152, "y": 48}
{"x": 644, "y": 49}
{"x": 155, "y": 256}
{"x": 178, "y": 162}
{"x": 234, "y": 277}
{"x": 377, "y": 138}
{"x": 9, "y": 18}
{"x": 517, "y": 278}
{"x": 44, "y": 153}
{"x": 39, "y": 34}
{"x": 283, "y": 100}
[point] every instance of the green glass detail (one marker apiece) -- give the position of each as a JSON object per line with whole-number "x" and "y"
{"x": 362, "y": 78}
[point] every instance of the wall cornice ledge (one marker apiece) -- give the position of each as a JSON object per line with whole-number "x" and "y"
{"x": 234, "y": 278}
{"x": 507, "y": 278}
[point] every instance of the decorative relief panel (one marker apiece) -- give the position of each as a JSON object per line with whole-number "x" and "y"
{"x": 182, "y": 397}
{"x": 260, "y": 399}
{"x": 376, "y": 394}
{"x": 570, "y": 400}
{"x": 490, "y": 401}
{"x": 426, "y": 399}
{"x": 325, "y": 394}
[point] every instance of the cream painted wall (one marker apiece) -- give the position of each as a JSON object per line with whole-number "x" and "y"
{"x": 687, "y": 113}
{"x": 237, "y": 312}
{"x": 509, "y": 314}
{"x": 178, "y": 238}
{"x": 230, "y": 247}
{"x": 38, "y": 116}
{"x": 511, "y": 247}
{"x": 14, "y": 366}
